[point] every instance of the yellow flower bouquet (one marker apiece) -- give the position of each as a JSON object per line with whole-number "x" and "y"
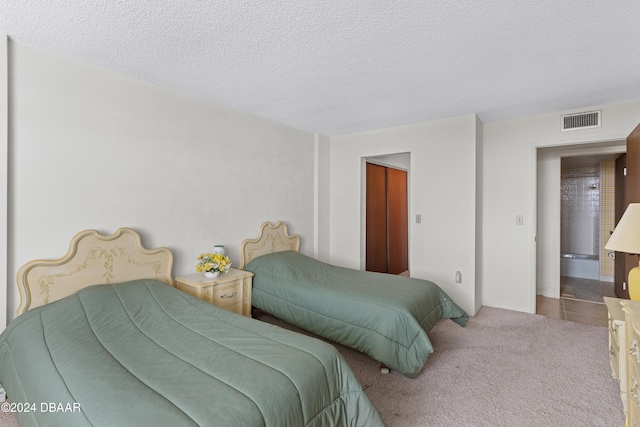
{"x": 213, "y": 263}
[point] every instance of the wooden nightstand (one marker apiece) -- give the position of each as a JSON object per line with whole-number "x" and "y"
{"x": 230, "y": 290}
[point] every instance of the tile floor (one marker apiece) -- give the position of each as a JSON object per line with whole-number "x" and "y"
{"x": 587, "y": 312}
{"x": 580, "y": 301}
{"x": 585, "y": 289}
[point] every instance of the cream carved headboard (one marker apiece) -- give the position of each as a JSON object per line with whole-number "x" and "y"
{"x": 272, "y": 238}
{"x": 92, "y": 259}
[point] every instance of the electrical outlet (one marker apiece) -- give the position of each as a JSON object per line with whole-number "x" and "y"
{"x": 458, "y": 277}
{"x": 519, "y": 219}
{"x": 418, "y": 218}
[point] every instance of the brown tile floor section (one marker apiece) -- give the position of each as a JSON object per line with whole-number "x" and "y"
{"x": 590, "y": 313}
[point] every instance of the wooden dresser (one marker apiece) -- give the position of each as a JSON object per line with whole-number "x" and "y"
{"x": 632, "y": 333}
{"x": 230, "y": 290}
{"x": 617, "y": 346}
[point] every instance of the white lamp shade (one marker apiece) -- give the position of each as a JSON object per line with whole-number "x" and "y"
{"x": 626, "y": 235}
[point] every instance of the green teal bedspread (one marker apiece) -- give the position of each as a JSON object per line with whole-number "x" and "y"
{"x": 143, "y": 353}
{"x": 382, "y": 315}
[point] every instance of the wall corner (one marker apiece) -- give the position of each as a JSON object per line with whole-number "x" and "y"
{"x": 479, "y": 212}
{"x": 321, "y": 200}
{"x": 4, "y": 168}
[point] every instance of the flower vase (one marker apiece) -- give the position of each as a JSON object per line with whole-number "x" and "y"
{"x": 211, "y": 274}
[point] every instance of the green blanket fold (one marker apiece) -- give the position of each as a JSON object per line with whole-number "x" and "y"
{"x": 382, "y": 315}
{"x": 144, "y": 353}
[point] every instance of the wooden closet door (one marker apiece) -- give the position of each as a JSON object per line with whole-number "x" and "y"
{"x": 632, "y": 189}
{"x": 376, "y": 230}
{"x": 628, "y": 189}
{"x": 398, "y": 221}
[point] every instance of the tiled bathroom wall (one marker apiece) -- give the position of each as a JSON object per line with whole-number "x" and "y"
{"x": 607, "y": 216}
{"x": 580, "y": 212}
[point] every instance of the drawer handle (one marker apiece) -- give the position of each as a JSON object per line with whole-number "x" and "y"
{"x": 613, "y": 327}
{"x": 633, "y": 350}
{"x": 231, "y": 295}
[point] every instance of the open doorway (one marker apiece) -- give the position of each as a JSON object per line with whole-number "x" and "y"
{"x": 549, "y": 213}
{"x": 587, "y": 213}
{"x": 549, "y": 229}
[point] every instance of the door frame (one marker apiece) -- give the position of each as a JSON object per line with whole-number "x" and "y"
{"x": 559, "y": 150}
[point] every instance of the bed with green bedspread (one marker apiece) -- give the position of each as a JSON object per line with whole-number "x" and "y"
{"x": 385, "y": 316}
{"x": 143, "y": 353}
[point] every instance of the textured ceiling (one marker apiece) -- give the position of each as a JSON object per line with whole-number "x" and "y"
{"x": 337, "y": 67}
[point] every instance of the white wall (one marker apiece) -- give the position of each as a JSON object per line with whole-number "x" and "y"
{"x": 93, "y": 149}
{"x": 442, "y": 190}
{"x": 548, "y": 225}
{"x": 400, "y": 161}
{"x": 4, "y": 135}
{"x": 510, "y": 189}
{"x": 479, "y": 214}
{"x": 322, "y": 207}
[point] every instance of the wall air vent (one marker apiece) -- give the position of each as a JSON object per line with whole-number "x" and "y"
{"x": 579, "y": 121}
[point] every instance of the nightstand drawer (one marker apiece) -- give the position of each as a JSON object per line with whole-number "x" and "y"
{"x": 231, "y": 290}
{"x": 238, "y": 308}
{"x": 225, "y": 295}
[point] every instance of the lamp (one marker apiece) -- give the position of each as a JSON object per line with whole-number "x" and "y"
{"x": 626, "y": 238}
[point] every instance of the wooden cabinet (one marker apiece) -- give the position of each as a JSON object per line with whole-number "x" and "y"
{"x": 632, "y": 357}
{"x": 617, "y": 346}
{"x": 230, "y": 290}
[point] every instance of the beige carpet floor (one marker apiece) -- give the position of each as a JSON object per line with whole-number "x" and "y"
{"x": 504, "y": 369}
